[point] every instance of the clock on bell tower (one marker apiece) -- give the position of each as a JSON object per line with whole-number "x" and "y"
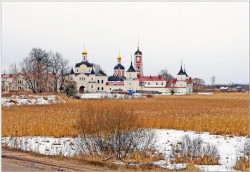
{"x": 138, "y": 62}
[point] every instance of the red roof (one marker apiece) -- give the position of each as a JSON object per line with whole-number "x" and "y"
{"x": 173, "y": 81}
{"x": 189, "y": 81}
{"x": 150, "y": 78}
{"x": 114, "y": 83}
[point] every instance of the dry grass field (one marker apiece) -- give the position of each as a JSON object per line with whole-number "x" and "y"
{"x": 222, "y": 113}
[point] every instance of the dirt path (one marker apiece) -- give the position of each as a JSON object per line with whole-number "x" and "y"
{"x": 20, "y": 161}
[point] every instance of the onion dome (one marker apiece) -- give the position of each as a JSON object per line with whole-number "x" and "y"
{"x": 119, "y": 66}
{"x": 119, "y": 57}
{"x": 84, "y": 52}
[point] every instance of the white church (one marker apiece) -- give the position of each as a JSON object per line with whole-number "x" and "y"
{"x": 89, "y": 79}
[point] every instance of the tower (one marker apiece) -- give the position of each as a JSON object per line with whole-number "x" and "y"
{"x": 84, "y": 55}
{"x": 138, "y": 61}
{"x": 119, "y": 68}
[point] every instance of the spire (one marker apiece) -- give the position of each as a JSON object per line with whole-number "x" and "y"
{"x": 119, "y": 58}
{"x": 138, "y": 42}
{"x": 181, "y": 70}
{"x": 131, "y": 68}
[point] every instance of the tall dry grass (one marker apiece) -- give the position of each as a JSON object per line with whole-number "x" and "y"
{"x": 224, "y": 113}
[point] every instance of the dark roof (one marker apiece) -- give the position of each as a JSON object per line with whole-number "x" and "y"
{"x": 119, "y": 66}
{"x": 86, "y": 63}
{"x": 138, "y": 52}
{"x": 185, "y": 72}
{"x": 116, "y": 78}
{"x": 181, "y": 72}
{"x": 92, "y": 71}
{"x": 72, "y": 71}
{"x": 131, "y": 68}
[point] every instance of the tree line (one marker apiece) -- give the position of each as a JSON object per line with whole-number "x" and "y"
{"x": 43, "y": 71}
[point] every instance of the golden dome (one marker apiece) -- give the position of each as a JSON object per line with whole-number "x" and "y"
{"x": 84, "y": 52}
{"x": 119, "y": 57}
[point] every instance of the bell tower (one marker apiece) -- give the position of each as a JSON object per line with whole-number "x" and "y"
{"x": 138, "y": 64}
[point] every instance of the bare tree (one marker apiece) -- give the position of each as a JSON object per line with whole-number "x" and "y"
{"x": 35, "y": 68}
{"x": 98, "y": 68}
{"x": 198, "y": 83}
{"x": 13, "y": 69}
{"x": 165, "y": 75}
{"x": 172, "y": 90}
{"x": 58, "y": 68}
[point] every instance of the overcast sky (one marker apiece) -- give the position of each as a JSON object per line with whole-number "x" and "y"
{"x": 211, "y": 38}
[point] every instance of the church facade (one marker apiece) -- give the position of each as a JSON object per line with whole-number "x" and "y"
{"x": 89, "y": 79}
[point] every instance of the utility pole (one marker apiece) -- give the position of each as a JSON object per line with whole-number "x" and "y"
{"x": 213, "y": 81}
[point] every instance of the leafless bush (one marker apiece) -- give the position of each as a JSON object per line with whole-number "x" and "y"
{"x": 194, "y": 150}
{"x": 112, "y": 132}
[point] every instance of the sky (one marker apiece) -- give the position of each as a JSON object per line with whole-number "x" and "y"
{"x": 211, "y": 38}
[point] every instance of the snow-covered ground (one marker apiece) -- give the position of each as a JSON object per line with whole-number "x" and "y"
{"x": 205, "y": 93}
{"x": 229, "y": 147}
{"x": 29, "y": 100}
{"x": 109, "y": 95}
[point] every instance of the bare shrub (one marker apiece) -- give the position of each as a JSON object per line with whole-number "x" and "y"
{"x": 194, "y": 150}
{"x": 242, "y": 163}
{"x": 112, "y": 132}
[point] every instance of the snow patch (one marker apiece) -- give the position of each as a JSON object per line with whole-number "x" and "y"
{"x": 229, "y": 147}
{"x": 109, "y": 95}
{"x": 29, "y": 100}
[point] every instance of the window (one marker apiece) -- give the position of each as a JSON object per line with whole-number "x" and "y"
{"x": 156, "y": 83}
{"x": 130, "y": 75}
{"x": 91, "y": 86}
{"x": 84, "y": 78}
{"x": 92, "y": 79}
{"x": 148, "y": 83}
{"x": 110, "y": 89}
{"x": 102, "y": 81}
{"x": 102, "y": 88}
{"x": 98, "y": 88}
{"x": 98, "y": 81}
{"x": 162, "y": 83}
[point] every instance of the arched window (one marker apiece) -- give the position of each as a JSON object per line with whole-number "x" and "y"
{"x": 98, "y": 88}
{"x": 102, "y": 81}
{"x": 102, "y": 88}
